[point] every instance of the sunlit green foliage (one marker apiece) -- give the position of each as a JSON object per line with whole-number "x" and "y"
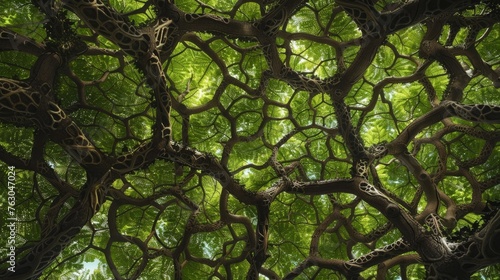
{"x": 165, "y": 218}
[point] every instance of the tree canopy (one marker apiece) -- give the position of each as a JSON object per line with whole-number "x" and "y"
{"x": 257, "y": 139}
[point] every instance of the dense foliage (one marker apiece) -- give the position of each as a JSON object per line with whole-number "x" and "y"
{"x": 250, "y": 139}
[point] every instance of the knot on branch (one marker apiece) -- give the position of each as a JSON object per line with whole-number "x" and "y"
{"x": 392, "y": 210}
{"x": 429, "y": 48}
